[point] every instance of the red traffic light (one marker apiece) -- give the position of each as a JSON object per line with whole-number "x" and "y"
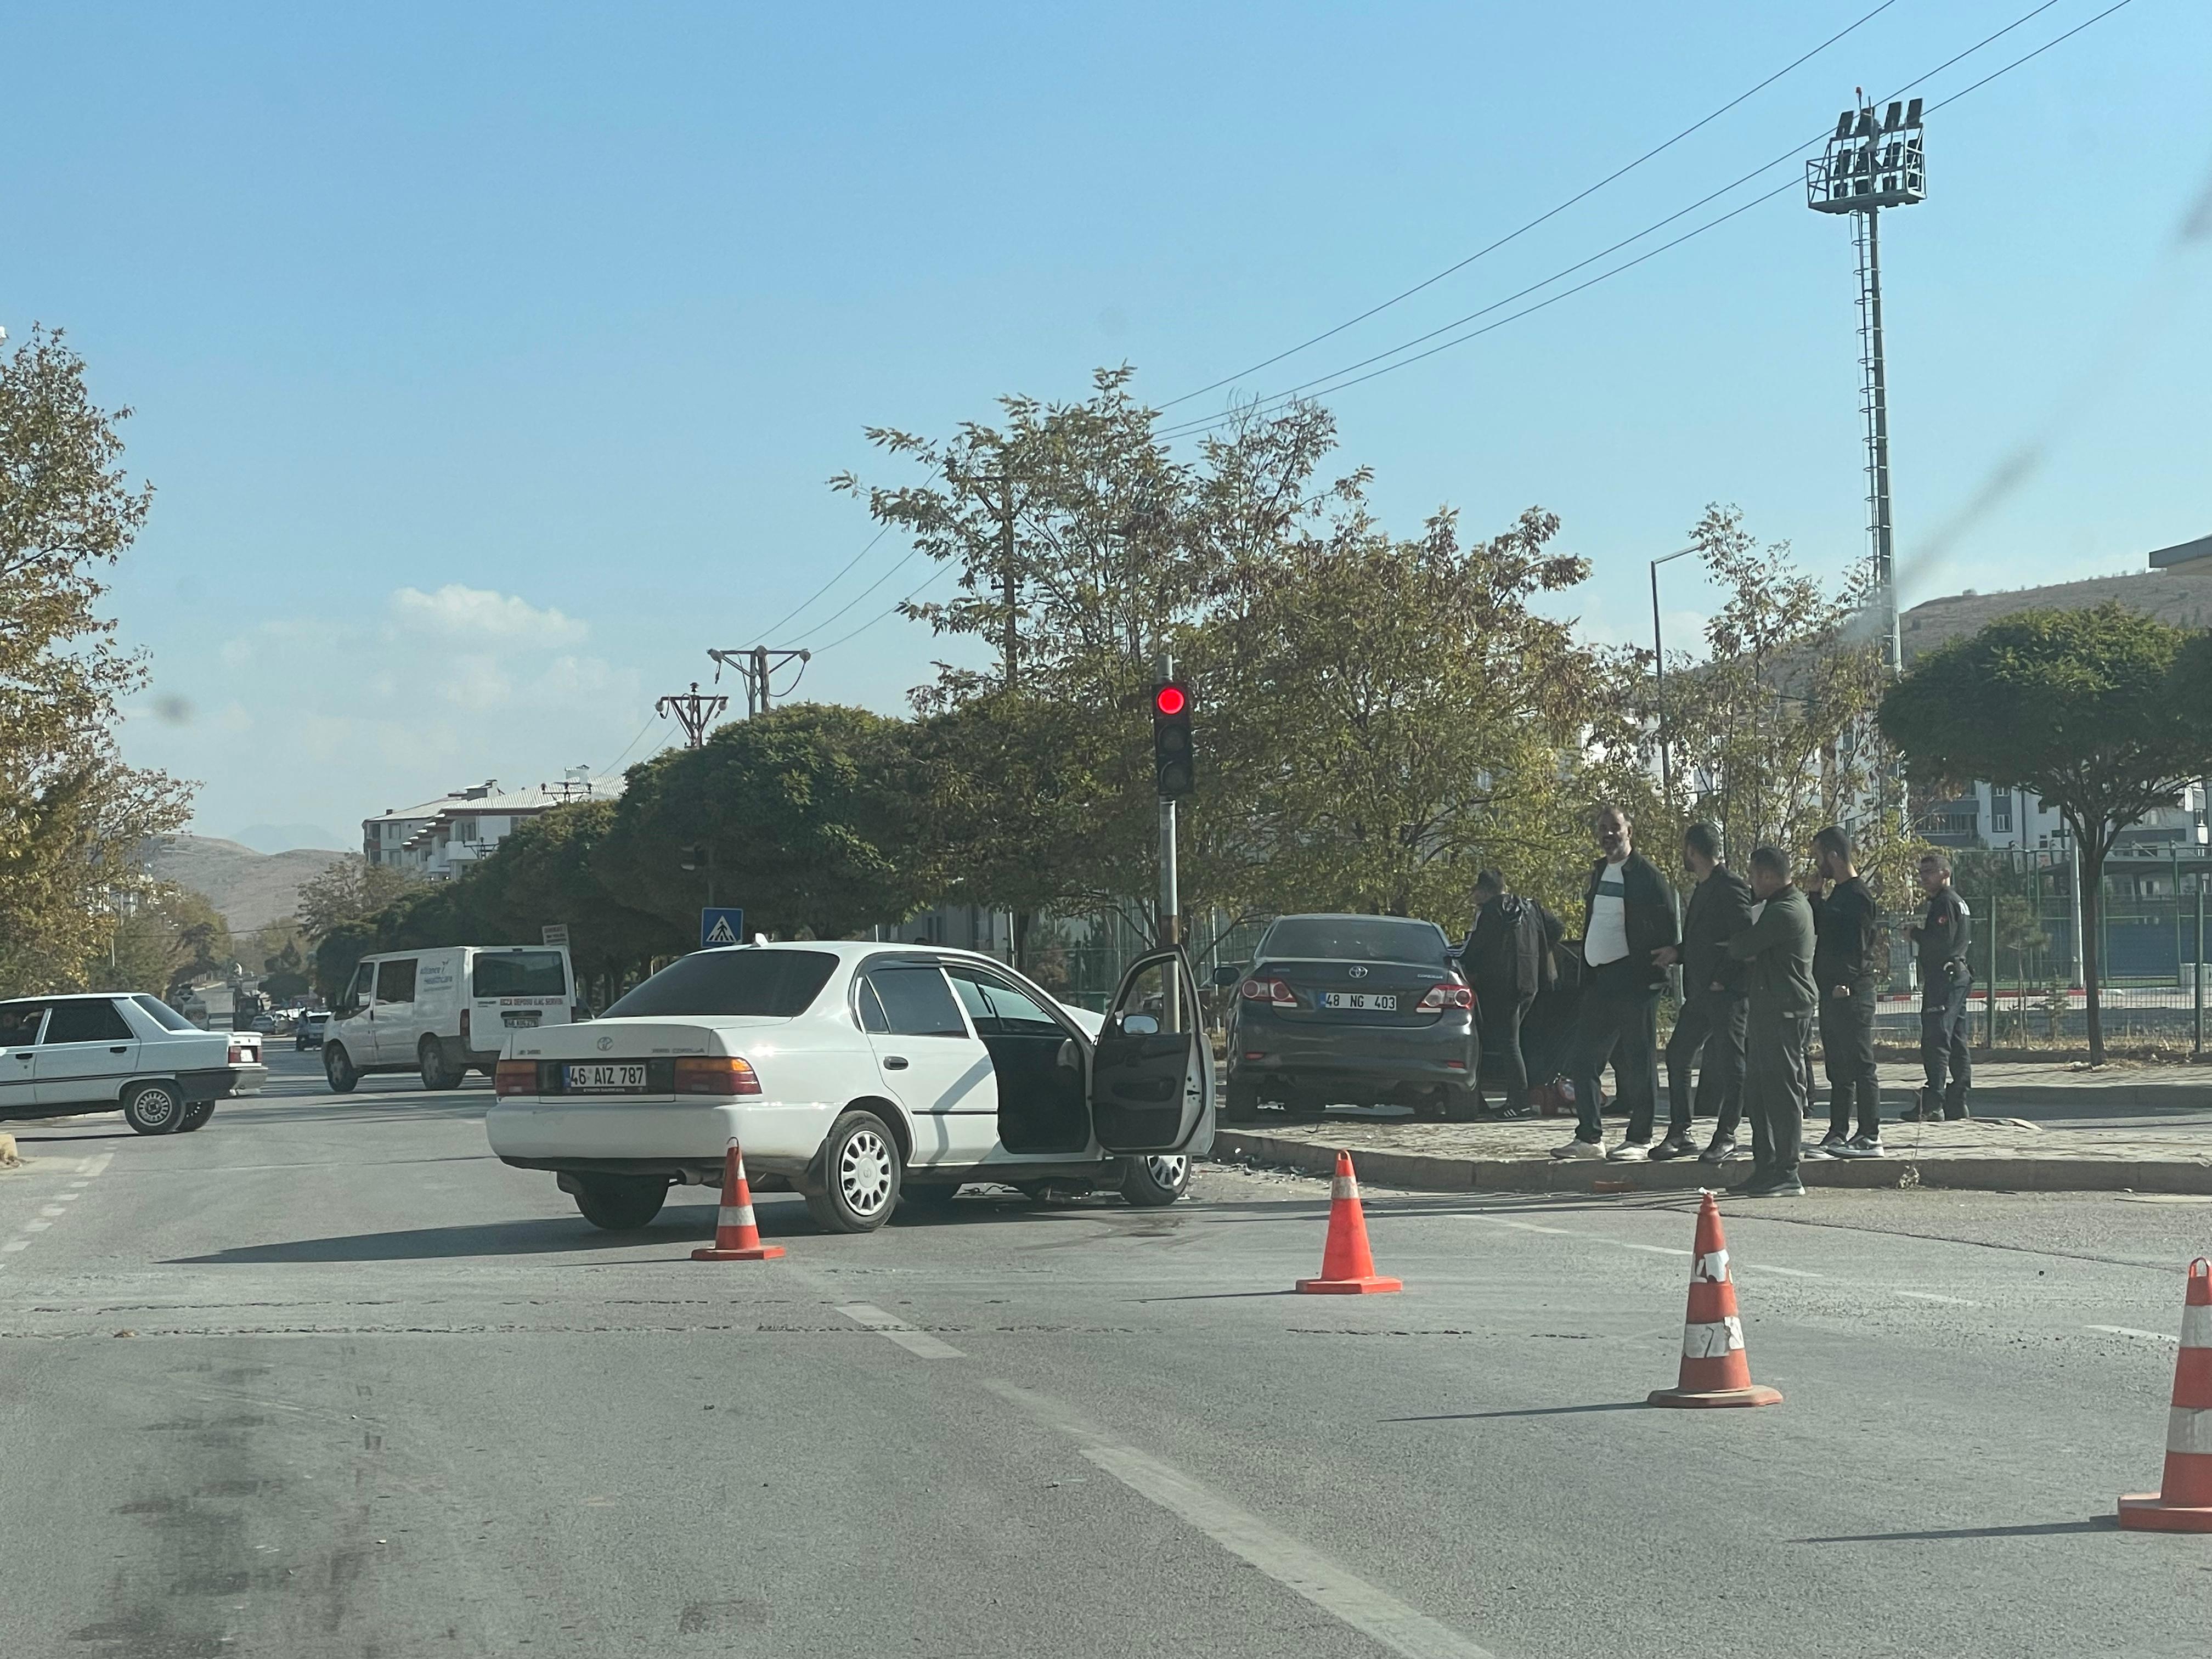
{"x": 1170, "y": 699}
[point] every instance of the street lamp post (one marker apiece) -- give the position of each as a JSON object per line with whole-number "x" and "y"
{"x": 1659, "y": 675}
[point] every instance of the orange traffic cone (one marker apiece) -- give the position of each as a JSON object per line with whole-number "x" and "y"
{"x": 2183, "y": 1502}
{"x": 1716, "y": 1371}
{"x": 737, "y": 1238}
{"x": 1347, "y": 1267}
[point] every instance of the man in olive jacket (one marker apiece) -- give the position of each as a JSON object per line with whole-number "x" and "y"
{"x": 1780, "y": 1004}
{"x": 1628, "y": 921}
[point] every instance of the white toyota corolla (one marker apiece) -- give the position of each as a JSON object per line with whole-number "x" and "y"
{"x": 859, "y": 1072}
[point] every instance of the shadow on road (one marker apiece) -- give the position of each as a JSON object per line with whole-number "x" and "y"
{"x": 1541, "y": 1411}
{"x": 2095, "y": 1523}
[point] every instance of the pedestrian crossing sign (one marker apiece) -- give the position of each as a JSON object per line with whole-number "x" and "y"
{"x": 724, "y": 926}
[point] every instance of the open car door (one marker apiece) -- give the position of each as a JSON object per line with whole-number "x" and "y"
{"x": 1151, "y": 1069}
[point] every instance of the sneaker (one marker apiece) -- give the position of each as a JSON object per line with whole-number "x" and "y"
{"x": 1631, "y": 1151}
{"x": 1774, "y": 1187}
{"x": 1912, "y": 1113}
{"x": 1719, "y": 1150}
{"x": 1831, "y": 1145}
{"x": 1862, "y": 1146}
{"x": 1672, "y": 1147}
{"x": 1579, "y": 1148}
{"x": 1950, "y": 1117}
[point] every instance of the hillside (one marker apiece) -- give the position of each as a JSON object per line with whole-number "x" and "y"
{"x": 249, "y": 890}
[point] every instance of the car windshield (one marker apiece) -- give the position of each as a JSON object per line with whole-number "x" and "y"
{"x": 170, "y": 1019}
{"x": 746, "y": 981}
{"x": 520, "y": 974}
{"x": 1356, "y": 939}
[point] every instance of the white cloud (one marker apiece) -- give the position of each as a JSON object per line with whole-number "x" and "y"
{"x": 480, "y": 613}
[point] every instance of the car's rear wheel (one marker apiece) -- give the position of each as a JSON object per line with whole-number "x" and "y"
{"x": 1151, "y": 1182}
{"x": 195, "y": 1114}
{"x": 339, "y": 1071}
{"x": 1241, "y": 1104}
{"x": 620, "y": 1203}
{"x": 153, "y": 1109}
{"x": 430, "y": 1060}
{"x": 854, "y": 1184}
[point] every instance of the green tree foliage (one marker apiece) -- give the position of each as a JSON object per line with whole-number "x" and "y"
{"x": 351, "y": 890}
{"x": 163, "y": 939}
{"x": 2100, "y": 713}
{"x": 72, "y": 814}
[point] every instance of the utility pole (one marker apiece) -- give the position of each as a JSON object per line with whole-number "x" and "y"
{"x": 1659, "y": 676}
{"x": 757, "y": 665}
{"x": 695, "y": 710}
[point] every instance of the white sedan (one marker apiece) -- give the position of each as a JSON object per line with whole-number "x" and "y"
{"x": 859, "y": 1072}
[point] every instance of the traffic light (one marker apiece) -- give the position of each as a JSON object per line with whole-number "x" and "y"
{"x": 1172, "y": 761}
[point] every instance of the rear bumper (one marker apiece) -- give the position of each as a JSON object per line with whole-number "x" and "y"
{"x": 1371, "y": 1057}
{"x": 247, "y": 1079}
{"x": 778, "y": 1137}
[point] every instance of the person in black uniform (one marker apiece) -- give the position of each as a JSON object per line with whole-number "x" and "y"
{"x": 1943, "y": 934}
{"x": 1847, "y": 935}
{"x": 1711, "y": 1023}
{"x": 1503, "y": 959}
{"x": 1779, "y": 1001}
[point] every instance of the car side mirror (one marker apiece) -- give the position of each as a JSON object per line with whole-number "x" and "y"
{"x": 1226, "y": 975}
{"x": 1067, "y": 1058}
{"x": 1139, "y": 1025}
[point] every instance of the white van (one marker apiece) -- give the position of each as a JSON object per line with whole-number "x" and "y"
{"x": 440, "y": 1012}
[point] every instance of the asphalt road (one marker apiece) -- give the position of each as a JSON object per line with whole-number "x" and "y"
{"x": 326, "y": 1379}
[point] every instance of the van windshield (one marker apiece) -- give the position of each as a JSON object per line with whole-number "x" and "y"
{"x": 520, "y": 974}
{"x": 747, "y": 980}
{"x": 1356, "y": 939}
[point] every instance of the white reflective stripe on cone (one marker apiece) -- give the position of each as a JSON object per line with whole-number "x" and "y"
{"x": 2197, "y": 1327}
{"x": 1711, "y": 1269}
{"x": 2188, "y": 1431}
{"x": 734, "y": 1215}
{"x": 1712, "y": 1341}
{"x": 1343, "y": 1187}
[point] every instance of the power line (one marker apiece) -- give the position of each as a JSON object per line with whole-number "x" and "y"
{"x": 1335, "y": 380}
{"x": 912, "y": 553}
{"x": 1541, "y": 218}
{"x": 777, "y": 625}
{"x": 608, "y": 770}
{"x": 935, "y": 577}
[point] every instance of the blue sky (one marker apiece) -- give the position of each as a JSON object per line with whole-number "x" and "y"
{"x": 490, "y": 361}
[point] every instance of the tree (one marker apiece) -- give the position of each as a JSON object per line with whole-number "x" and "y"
{"x": 351, "y": 890}
{"x": 1770, "y": 735}
{"x": 548, "y": 872}
{"x": 72, "y": 814}
{"x": 2100, "y": 713}
{"x": 167, "y": 938}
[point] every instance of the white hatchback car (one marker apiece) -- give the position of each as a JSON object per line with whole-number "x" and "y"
{"x": 859, "y": 1072}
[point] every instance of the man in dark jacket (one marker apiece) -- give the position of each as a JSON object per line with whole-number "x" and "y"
{"x": 1628, "y": 919}
{"x": 1943, "y": 935}
{"x": 1847, "y": 935}
{"x": 1711, "y": 1023}
{"x": 1503, "y": 959}
{"x": 1779, "y": 1003}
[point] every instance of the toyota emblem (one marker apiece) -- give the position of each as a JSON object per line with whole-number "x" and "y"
{"x": 1359, "y": 972}
{"x": 605, "y": 1044}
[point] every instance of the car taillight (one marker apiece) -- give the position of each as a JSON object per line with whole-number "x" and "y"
{"x": 239, "y": 1053}
{"x": 714, "y": 1074}
{"x": 1449, "y": 994}
{"x": 515, "y": 1077}
{"x": 1272, "y": 992}
{"x": 464, "y": 1027}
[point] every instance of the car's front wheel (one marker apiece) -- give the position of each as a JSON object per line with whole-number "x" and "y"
{"x": 854, "y": 1184}
{"x": 1153, "y": 1182}
{"x": 153, "y": 1109}
{"x": 339, "y": 1071}
{"x": 620, "y": 1203}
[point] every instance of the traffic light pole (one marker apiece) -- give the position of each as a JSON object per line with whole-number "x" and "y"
{"x": 1170, "y": 900}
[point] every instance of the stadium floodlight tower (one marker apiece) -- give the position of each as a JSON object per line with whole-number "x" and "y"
{"x": 1873, "y": 161}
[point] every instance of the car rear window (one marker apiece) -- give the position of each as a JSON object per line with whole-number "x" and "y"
{"x": 1356, "y": 939}
{"x": 520, "y": 974}
{"x": 170, "y": 1019}
{"x": 746, "y": 981}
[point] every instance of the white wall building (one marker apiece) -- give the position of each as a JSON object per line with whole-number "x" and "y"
{"x": 438, "y": 839}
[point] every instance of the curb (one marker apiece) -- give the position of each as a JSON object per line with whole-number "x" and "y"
{"x": 1425, "y": 1172}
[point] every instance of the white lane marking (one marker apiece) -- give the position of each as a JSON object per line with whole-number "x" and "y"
{"x": 1655, "y": 1249}
{"x": 1930, "y": 1296}
{"x": 918, "y": 1343}
{"x": 53, "y": 1209}
{"x": 16, "y": 1244}
{"x": 1293, "y": 1564}
{"x": 2129, "y": 1330}
{"x": 1531, "y": 1227}
{"x": 1768, "y": 1267}
{"x": 99, "y": 1164}
{"x": 36, "y": 1226}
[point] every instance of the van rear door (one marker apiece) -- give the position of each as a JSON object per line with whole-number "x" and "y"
{"x": 517, "y": 990}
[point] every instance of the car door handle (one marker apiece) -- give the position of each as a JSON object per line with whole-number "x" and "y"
{"x": 894, "y": 1062}
{"x": 120, "y": 1049}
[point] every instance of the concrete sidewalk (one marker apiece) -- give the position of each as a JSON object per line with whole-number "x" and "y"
{"x": 2001, "y": 1085}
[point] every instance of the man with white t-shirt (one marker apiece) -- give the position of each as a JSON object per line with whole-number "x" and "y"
{"x": 1628, "y": 918}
